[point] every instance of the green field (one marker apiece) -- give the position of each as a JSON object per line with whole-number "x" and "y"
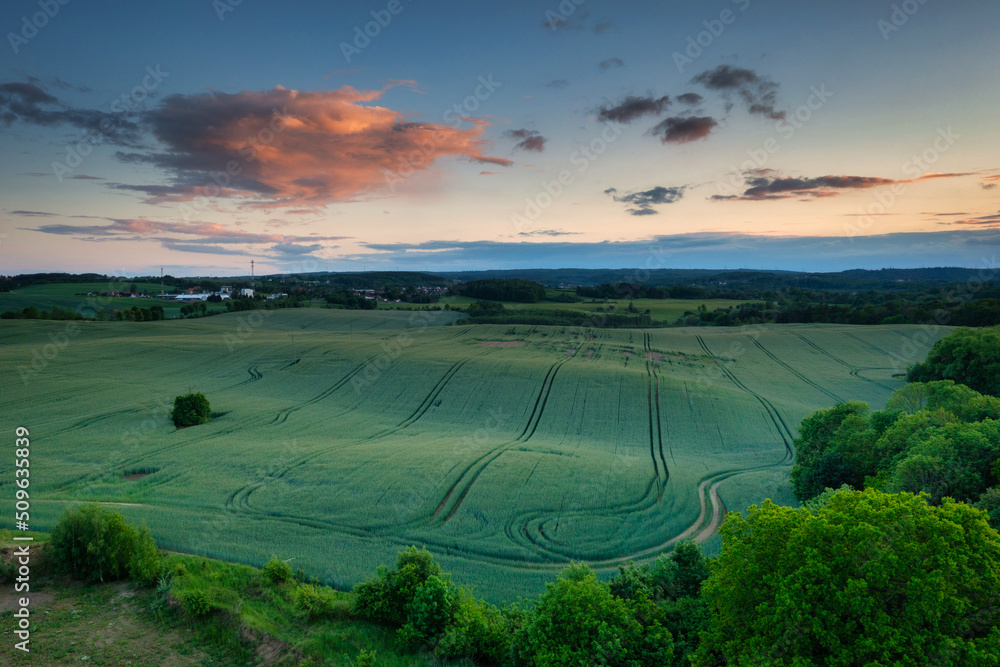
{"x": 661, "y": 310}
{"x": 74, "y": 295}
{"x": 341, "y": 436}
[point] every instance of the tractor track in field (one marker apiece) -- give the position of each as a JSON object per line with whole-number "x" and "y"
{"x": 655, "y": 433}
{"x": 794, "y": 372}
{"x": 779, "y": 422}
{"x": 854, "y": 370}
{"x": 481, "y": 463}
{"x": 283, "y": 415}
{"x": 240, "y": 499}
{"x": 871, "y": 346}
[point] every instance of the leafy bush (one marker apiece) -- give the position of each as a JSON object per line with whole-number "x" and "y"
{"x": 94, "y": 544}
{"x": 276, "y": 571}
{"x": 578, "y": 621}
{"x": 316, "y": 601}
{"x": 429, "y": 612}
{"x": 479, "y": 632}
{"x": 191, "y": 410}
{"x": 386, "y": 598}
{"x": 195, "y": 602}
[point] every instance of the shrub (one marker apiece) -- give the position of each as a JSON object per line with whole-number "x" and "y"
{"x": 386, "y": 598}
{"x": 276, "y": 571}
{"x": 578, "y": 621}
{"x": 191, "y": 410}
{"x": 430, "y": 612}
{"x": 146, "y": 564}
{"x": 195, "y": 602}
{"x": 94, "y": 544}
{"x": 316, "y": 601}
{"x": 479, "y": 632}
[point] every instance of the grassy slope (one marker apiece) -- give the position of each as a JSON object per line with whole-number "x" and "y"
{"x": 115, "y": 623}
{"x": 341, "y": 436}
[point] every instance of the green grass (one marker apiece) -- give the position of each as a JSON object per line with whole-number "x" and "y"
{"x": 341, "y": 436}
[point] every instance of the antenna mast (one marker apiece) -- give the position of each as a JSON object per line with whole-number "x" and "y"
{"x": 251, "y": 274}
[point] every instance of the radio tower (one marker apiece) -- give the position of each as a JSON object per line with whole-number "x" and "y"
{"x": 251, "y": 274}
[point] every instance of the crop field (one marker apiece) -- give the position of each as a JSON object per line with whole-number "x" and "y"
{"x": 339, "y": 437}
{"x": 661, "y": 310}
{"x": 74, "y": 296}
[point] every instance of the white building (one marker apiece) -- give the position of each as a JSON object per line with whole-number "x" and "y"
{"x": 246, "y": 292}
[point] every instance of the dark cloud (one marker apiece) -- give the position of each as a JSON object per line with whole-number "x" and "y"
{"x": 603, "y": 27}
{"x": 681, "y": 129}
{"x": 527, "y": 140}
{"x": 633, "y": 107}
{"x": 690, "y": 98}
{"x": 547, "y": 232}
{"x": 296, "y": 248}
{"x": 557, "y": 83}
{"x": 292, "y": 148}
{"x": 643, "y": 202}
{"x": 768, "y": 185}
{"x": 611, "y": 63}
{"x": 29, "y": 103}
{"x": 758, "y": 93}
{"x": 989, "y": 221}
{"x": 34, "y": 214}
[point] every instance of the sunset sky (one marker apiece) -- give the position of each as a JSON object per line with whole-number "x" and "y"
{"x": 419, "y": 135}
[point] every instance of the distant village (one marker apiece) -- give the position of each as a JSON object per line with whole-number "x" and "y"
{"x": 225, "y": 293}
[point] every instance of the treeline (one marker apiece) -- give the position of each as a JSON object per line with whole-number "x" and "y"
{"x": 938, "y": 435}
{"x": 639, "y": 291}
{"x": 32, "y": 313}
{"x": 494, "y": 289}
{"x": 487, "y": 312}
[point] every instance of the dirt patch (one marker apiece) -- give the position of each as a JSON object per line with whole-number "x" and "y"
{"x": 656, "y": 357}
{"x": 570, "y": 351}
{"x": 136, "y": 475}
{"x": 38, "y": 600}
{"x": 501, "y": 343}
{"x": 590, "y": 353}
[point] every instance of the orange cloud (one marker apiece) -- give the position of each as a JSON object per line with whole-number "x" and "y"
{"x": 295, "y": 148}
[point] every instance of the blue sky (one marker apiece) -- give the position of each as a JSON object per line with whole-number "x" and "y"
{"x": 809, "y": 136}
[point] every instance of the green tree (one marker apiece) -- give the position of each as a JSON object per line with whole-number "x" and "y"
{"x": 191, "y": 410}
{"x": 91, "y": 543}
{"x": 967, "y": 356}
{"x": 386, "y": 598}
{"x": 865, "y": 578}
{"x": 577, "y": 621}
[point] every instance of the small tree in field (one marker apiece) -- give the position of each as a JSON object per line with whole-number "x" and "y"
{"x": 191, "y": 410}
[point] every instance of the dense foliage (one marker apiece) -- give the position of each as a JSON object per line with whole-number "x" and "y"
{"x": 936, "y": 437}
{"x": 864, "y": 578}
{"x": 32, "y": 313}
{"x": 191, "y": 410}
{"x": 520, "y": 291}
{"x": 967, "y": 356}
{"x": 94, "y": 544}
